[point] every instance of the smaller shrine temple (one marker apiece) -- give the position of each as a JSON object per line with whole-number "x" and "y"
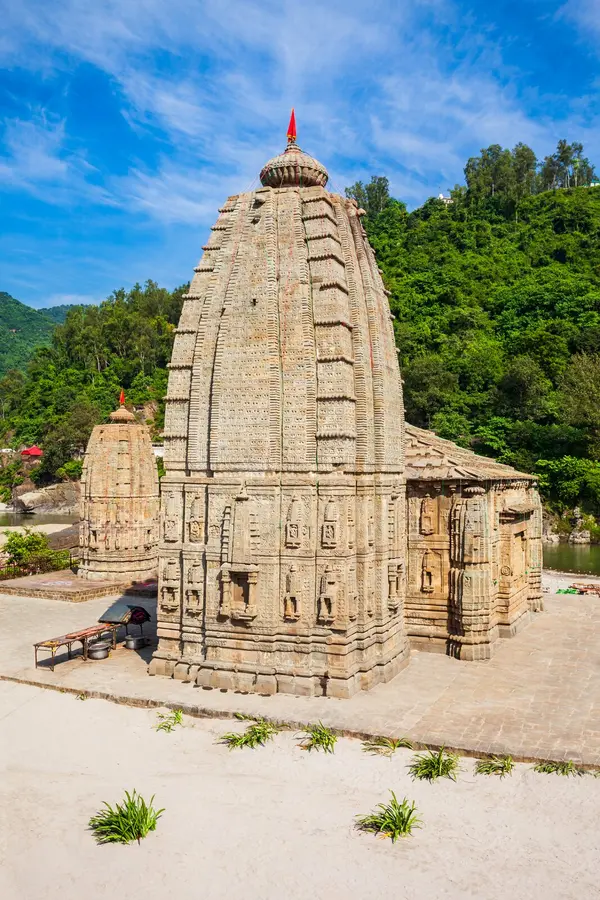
{"x": 118, "y": 534}
{"x": 474, "y": 548}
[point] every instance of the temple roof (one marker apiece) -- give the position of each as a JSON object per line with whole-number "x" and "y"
{"x": 431, "y": 458}
{"x": 293, "y": 167}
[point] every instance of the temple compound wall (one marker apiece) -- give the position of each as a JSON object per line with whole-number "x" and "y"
{"x": 474, "y": 548}
{"x": 118, "y": 532}
{"x": 282, "y": 548}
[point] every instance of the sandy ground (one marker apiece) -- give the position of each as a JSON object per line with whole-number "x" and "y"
{"x": 270, "y": 823}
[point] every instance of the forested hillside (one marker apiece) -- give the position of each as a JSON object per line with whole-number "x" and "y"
{"x": 497, "y": 303}
{"x": 22, "y": 329}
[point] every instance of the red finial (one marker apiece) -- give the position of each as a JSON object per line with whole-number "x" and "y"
{"x": 122, "y": 397}
{"x": 291, "y": 132}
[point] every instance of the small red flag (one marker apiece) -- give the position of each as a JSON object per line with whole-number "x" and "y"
{"x": 291, "y": 132}
{"x": 122, "y": 397}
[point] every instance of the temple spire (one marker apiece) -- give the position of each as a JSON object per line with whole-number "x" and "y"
{"x": 291, "y": 132}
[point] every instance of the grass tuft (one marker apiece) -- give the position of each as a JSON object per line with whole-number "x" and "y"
{"x": 393, "y": 819}
{"x": 168, "y": 721}
{"x": 128, "y": 821}
{"x": 495, "y": 765}
{"x": 255, "y": 735}
{"x": 318, "y": 737}
{"x": 566, "y": 767}
{"x": 383, "y": 746}
{"x": 434, "y": 764}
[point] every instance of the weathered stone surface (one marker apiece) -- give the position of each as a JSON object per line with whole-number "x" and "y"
{"x": 63, "y": 498}
{"x": 474, "y": 548}
{"x": 119, "y": 502}
{"x": 283, "y": 509}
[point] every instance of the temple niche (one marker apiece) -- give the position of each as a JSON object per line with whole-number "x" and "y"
{"x": 474, "y": 548}
{"x": 283, "y": 452}
{"x": 118, "y": 534}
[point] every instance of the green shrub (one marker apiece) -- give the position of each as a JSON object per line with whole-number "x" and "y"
{"x": 318, "y": 737}
{"x": 434, "y": 764}
{"x": 128, "y": 821}
{"x": 19, "y": 547}
{"x": 383, "y": 746}
{"x": 393, "y": 819}
{"x": 71, "y": 470}
{"x": 168, "y": 721}
{"x": 255, "y": 735}
{"x": 566, "y": 767}
{"x": 495, "y": 765}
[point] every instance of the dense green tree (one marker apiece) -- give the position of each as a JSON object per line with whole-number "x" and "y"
{"x": 372, "y": 197}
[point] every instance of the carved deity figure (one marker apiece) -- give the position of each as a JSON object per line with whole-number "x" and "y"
{"x": 171, "y": 570}
{"x": 291, "y": 604}
{"x": 329, "y": 529}
{"x": 427, "y": 575}
{"x": 196, "y": 520}
{"x": 293, "y": 524}
{"x": 170, "y": 527}
{"x": 327, "y": 601}
{"x": 426, "y": 523}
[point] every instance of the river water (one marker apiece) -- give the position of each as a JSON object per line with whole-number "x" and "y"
{"x": 11, "y": 518}
{"x": 582, "y": 558}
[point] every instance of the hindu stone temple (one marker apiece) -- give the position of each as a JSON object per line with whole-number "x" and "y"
{"x": 118, "y": 533}
{"x": 284, "y": 555}
{"x": 283, "y": 507}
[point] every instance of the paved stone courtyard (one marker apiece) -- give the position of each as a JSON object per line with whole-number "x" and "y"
{"x": 539, "y": 697}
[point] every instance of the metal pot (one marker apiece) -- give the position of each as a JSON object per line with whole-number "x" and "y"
{"x": 135, "y": 641}
{"x": 98, "y": 650}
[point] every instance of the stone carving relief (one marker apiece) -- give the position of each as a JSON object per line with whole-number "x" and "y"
{"x": 328, "y": 597}
{"x": 168, "y": 599}
{"x": 330, "y": 527}
{"x": 293, "y": 525}
{"x": 291, "y": 603}
{"x": 427, "y": 573}
{"x": 427, "y": 517}
{"x": 194, "y": 589}
{"x": 171, "y": 531}
{"x": 196, "y": 522}
{"x": 170, "y": 570}
{"x": 395, "y": 576}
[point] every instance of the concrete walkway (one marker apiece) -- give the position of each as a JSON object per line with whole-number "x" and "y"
{"x": 539, "y": 697}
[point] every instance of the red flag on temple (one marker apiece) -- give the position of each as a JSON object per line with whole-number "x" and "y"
{"x": 291, "y": 132}
{"x": 122, "y": 397}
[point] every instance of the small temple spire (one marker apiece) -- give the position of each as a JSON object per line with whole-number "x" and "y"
{"x": 291, "y": 132}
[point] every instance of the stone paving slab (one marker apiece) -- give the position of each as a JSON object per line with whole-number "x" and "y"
{"x": 538, "y": 698}
{"x": 61, "y": 585}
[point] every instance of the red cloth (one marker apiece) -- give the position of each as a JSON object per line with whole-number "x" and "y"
{"x": 291, "y": 132}
{"x": 122, "y": 397}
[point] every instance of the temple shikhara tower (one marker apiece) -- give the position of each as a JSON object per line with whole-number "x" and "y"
{"x": 282, "y": 549}
{"x": 118, "y": 533}
{"x": 285, "y": 563}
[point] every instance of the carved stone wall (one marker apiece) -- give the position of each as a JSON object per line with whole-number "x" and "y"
{"x": 119, "y": 503}
{"x": 474, "y": 553}
{"x": 282, "y": 545}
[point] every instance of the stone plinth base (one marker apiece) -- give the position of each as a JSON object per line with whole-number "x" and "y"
{"x": 271, "y": 682}
{"x": 63, "y": 585}
{"x": 509, "y": 630}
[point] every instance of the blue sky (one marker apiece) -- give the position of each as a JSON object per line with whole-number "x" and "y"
{"x": 125, "y": 123}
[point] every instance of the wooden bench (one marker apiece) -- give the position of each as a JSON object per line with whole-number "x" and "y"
{"x": 84, "y": 636}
